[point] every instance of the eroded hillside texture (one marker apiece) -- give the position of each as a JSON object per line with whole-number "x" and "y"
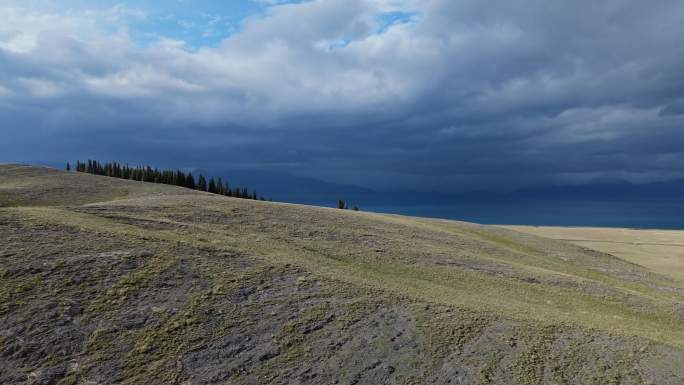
{"x": 107, "y": 281}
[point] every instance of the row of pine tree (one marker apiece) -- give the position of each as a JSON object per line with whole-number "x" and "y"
{"x": 170, "y": 177}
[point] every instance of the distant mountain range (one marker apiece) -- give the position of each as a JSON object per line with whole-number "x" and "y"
{"x": 284, "y": 187}
{"x": 289, "y": 188}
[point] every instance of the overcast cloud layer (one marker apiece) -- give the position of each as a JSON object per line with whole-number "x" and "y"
{"x": 435, "y": 94}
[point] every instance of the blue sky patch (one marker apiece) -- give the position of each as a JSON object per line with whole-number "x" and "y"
{"x": 389, "y": 19}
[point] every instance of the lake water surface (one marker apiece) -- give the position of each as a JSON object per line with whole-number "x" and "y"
{"x": 643, "y": 214}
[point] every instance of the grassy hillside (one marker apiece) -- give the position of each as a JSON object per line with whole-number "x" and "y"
{"x": 109, "y": 281}
{"x": 41, "y": 186}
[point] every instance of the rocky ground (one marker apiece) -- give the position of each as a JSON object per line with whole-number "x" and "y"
{"x": 160, "y": 286}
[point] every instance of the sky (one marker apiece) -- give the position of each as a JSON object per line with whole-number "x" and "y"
{"x": 433, "y": 95}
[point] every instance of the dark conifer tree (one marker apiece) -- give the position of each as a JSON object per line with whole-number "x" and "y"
{"x": 68, "y": 167}
{"x": 170, "y": 177}
{"x": 219, "y": 186}
{"x": 202, "y": 184}
{"x": 190, "y": 181}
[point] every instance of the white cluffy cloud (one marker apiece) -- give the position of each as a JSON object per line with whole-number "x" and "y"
{"x": 438, "y": 84}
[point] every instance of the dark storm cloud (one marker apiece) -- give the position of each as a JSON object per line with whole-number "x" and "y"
{"x": 457, "y": 95}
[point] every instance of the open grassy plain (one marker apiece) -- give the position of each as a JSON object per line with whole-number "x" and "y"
{"x": 110, "y": 281}
{"x": 661, "y": 251}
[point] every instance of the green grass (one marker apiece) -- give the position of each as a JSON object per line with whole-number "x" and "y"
{"x": 480, "y": 274}
{"x": 22, "y": 185}
{"x": 513, "y": 298}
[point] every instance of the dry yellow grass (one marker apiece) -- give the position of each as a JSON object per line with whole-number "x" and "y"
{"x": 661, "y": 251}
